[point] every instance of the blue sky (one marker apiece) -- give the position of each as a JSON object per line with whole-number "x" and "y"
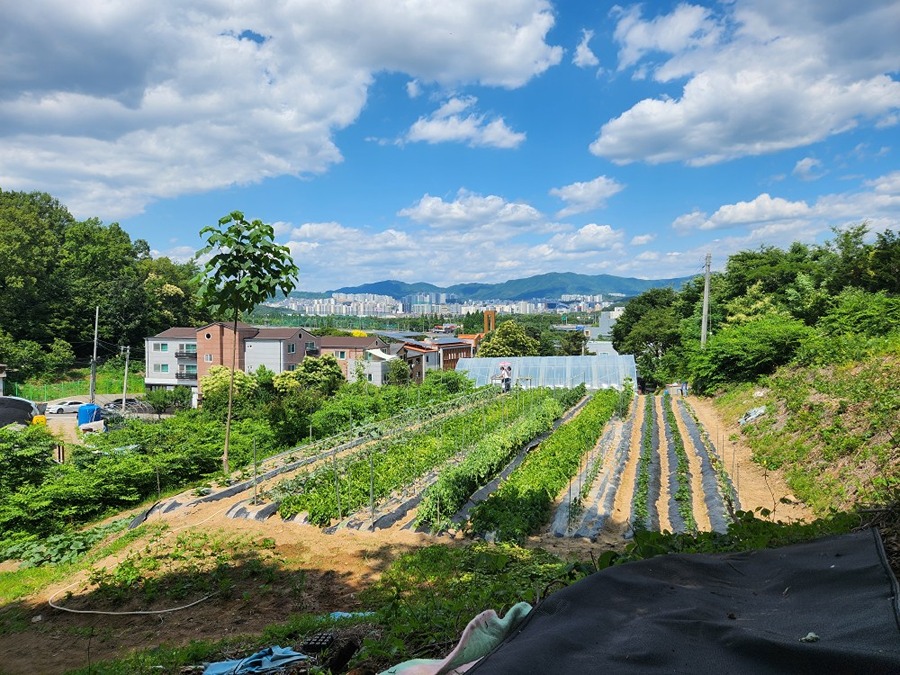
{"x": 473, "y": 140}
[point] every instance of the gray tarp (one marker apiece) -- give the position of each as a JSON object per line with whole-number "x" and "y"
{"x": 731, "y": 613}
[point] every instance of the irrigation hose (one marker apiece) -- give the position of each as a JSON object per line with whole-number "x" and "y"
{"x": 96, "y": 611}
{"x": 136, "y": 612}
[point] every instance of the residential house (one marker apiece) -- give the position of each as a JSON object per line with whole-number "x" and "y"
{"x": 451, "y": 350}
{"x": 345, "y": 349}
{"x": 421, "y": 357}
{"x": 375, "y": 366}
{"x": 182, "y": 356}
{"x": 278, "y": 349}
{"x": 171, "y": 359}
{"x": 473, "y": 339}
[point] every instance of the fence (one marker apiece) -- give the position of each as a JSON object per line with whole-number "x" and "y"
{"x": 106, "y": 384}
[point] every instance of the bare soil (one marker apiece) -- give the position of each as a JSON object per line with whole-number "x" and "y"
{"x": 333, "y": 569}
{"x": 756, "y": 487}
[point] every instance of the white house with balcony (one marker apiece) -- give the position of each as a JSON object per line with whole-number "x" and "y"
{"x": 171, "y": 359}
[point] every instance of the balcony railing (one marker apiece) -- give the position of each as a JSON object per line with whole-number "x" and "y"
{"x": 180, "y": 375}
{"x": 185, "y": 355}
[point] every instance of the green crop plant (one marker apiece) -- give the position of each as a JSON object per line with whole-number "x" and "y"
{"x": 682, "y": 496}
{"x": 640, "y": 510}
{"x": 486, "y": 458}
{"x": 523, "y": 501}
{"x": 339, "y": 487}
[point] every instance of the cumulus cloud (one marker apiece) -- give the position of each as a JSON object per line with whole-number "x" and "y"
{"x": 763, "y": 208}
{"x": 111, "y": 106}
{"x": 687, "y": 27}
{"x": 758, "y": 78}
{"x": 588, "y": 239}
{"x": 470, "y": 211}
{"x": 584, "y": 57}
{"x": 452, "y": 123}
{"x": 586, "y": 196}
{"x": 642, "y": 239}
{"x": 808, "y": 168}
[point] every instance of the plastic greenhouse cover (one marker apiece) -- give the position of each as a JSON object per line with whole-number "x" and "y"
{"x": 601, "y": 371}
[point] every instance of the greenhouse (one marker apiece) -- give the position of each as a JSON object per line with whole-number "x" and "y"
{"x": 602, "y": 371}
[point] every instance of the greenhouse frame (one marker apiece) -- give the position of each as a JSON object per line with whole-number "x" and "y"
{"x": 601, "y": 371}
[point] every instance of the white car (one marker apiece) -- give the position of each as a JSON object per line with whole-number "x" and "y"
{"x": 64, "y": 407}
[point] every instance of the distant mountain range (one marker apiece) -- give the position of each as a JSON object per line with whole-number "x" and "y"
{"x": 547, "y": 286}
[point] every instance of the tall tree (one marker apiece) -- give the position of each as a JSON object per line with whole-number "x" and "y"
{"x": 246, "y": 269}
{"x": 510, "y": 339}
{"x": 32, "y": 226}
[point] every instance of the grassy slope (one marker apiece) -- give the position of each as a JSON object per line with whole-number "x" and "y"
{"x": 834, "y": 431}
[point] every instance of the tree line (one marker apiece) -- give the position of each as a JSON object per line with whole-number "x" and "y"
{"x": 56, "y": 270}
{"x": 811, "y": 304}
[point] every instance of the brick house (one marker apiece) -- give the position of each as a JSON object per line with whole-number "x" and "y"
{"x": 451, "y": 350}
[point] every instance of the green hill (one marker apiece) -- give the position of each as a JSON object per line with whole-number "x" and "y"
{"x": 549, "y": 286}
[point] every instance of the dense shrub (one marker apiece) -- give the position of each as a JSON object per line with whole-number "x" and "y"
{"x": 746, "y": 351}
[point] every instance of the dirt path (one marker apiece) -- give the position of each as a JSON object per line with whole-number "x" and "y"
{"x": 662, "y": 504}
{"x": 755, "y": 486}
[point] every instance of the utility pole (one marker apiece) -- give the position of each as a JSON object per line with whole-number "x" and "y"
{"x": 94, "y": 359}
{"x": 705, "y": 320}
{"x": 127, "y": 350}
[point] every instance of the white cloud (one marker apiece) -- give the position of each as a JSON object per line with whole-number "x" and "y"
{"x": 886, "y": 185}
{"x": 109, "y": 107}
{"x": 762, "y": 79}
{"x": 687, "y": 27}
{"x": 413, "y": 88}
{"x": 808, "y": 168}
{"x": 762, "y": 209}
{"x": 584, "y": 57}
{"x": 324, "y": 232}
{"x": 589, "y": 239}
{"x": 449, "y": 124}
{"x": 779, "y": 222}
{"x": 473, "y": 212}
{"x": 487, "y": 238}
{"x": 586, "y": 196}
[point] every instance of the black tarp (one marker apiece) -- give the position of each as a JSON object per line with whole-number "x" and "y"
{"x": 15, "y": 411}
{"x": 725, "y": 613}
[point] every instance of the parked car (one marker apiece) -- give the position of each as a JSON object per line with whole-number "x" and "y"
{"x": 64, "y": 407}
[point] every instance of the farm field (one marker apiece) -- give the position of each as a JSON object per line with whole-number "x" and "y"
{"x": 338, "y": 516}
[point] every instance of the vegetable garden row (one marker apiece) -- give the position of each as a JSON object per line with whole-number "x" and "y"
{"x": 428, "y": 466}
{"x": 498, "y": 465}
{"x": 679, "y": 482}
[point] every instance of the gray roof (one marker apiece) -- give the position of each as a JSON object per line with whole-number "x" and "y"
{"x": 337, "y": 341}
{"x": 279, "y": 333}
{"x": 179, "y": 333}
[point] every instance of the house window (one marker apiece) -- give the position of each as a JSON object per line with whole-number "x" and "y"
{"x": 160, "y": 346}
{"x": 369, "y": 377}
{"x": 310, "y": 346}
{"x": 292, "y": 366}
{"x": 190, "y": 370}
{"x": 160, "y": 367}
{"x": 342, "y": 354}
{"x": 188, "y": 347}
{"x": 207, "y": 358}
{"x": 292, "y": 348}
